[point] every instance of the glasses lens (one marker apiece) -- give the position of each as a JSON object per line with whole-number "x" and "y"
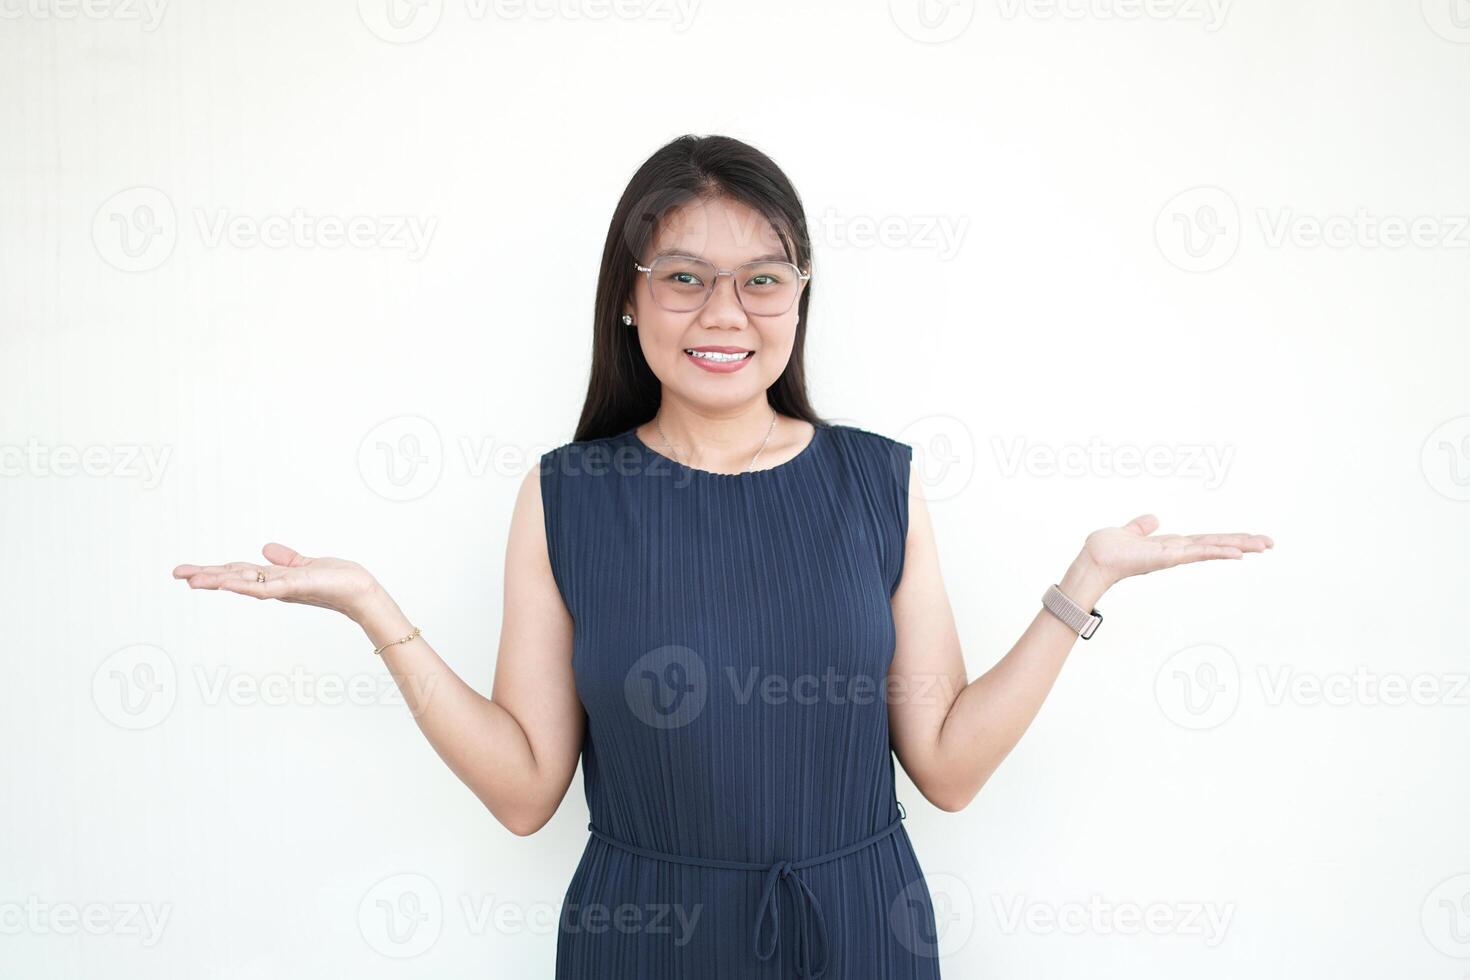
{"x": 767, "y": 288}
{"x": 680, "y": 284}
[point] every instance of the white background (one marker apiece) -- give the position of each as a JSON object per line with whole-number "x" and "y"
{"x": 1265, "y": 759}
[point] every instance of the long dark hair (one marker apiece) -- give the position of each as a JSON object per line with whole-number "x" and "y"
{"x": 622, "y": 391}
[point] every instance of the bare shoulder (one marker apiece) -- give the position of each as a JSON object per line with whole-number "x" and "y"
{"x": 528, "y": 541}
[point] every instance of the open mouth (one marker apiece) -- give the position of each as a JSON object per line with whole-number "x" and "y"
{"x": 719, "y": 357}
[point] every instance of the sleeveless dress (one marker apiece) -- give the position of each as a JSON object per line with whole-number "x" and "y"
{"x": 732, "y": 633}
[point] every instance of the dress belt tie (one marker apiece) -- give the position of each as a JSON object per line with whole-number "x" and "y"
{"x": 805, "y": 900}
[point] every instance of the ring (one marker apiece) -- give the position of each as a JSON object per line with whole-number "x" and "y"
{"x": 260, "y": 575}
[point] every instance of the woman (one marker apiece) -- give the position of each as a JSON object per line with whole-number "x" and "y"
{"x": 731, "y": 611}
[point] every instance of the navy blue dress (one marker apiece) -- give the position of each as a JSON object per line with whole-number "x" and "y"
{"x": 732, "y": 633}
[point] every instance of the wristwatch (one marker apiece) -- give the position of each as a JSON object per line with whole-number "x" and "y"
{"x": 1069, "y": 612}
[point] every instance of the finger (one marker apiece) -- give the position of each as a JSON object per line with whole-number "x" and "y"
{"x": 279, "y": 554}
{"x": 247, "y": 582}
{"x": 1245, "y": 542}
{"x": 1144, "y": 524}
{"x": 232, "y": 566}
{"x": 204, "y": 580}
{"x": 199, "y": 574}
{"x": 1205, "y": 552}
{"x": 217, "y": 576}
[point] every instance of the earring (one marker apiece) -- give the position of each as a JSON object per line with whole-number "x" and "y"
{"x": 627, "y": 320}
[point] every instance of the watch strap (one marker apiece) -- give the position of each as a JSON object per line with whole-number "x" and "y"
{"x": 1084, "y": 623}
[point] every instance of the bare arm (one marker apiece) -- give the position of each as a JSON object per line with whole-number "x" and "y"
{"x": 516, "y": 750}
{"x": 951, "y": 734}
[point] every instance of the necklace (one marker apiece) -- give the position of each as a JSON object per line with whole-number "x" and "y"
{"x": 680, "y": 456}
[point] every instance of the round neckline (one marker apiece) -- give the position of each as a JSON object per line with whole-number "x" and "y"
{"x": 804, "y": 452}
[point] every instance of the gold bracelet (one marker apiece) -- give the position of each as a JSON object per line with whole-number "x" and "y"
{"x": 390, "y": 643}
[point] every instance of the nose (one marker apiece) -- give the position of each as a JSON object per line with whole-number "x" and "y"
{"x": 723, "y": 308}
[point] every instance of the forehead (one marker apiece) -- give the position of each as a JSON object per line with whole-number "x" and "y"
{"x": 719, "y": 228}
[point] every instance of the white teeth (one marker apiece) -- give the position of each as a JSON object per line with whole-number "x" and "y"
{"x": 710, "y": 355}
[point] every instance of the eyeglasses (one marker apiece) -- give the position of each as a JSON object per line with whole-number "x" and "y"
{"x": 683, "y": 284}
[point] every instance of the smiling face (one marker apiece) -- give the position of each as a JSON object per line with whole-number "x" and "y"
{"x": 718, "y": 356}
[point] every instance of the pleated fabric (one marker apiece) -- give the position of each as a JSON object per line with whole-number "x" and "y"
{"x": 732, "y": 633}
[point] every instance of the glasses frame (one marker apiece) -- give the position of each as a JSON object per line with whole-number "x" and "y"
{"x": 647, "y": 270}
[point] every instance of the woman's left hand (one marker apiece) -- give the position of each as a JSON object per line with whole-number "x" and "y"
{"x": 1133, "y": 549}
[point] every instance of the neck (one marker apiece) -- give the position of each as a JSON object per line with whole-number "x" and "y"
{"x": 726, "y": 437}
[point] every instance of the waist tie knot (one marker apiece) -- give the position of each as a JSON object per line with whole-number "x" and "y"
{"x": 809, "y": 911}
{"x": 811, "y": 924}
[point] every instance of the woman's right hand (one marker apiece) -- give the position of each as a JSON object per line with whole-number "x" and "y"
{"x": 332, "y": 583}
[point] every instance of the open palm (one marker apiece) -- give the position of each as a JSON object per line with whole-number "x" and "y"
{"x": 1133, "y": 549}
{"x": 332, "y": 583}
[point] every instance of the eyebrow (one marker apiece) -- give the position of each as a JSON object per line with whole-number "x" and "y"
{"x": 768, "y": 257}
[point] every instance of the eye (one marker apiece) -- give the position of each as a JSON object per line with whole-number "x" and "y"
{"x": 763, "y": 279}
